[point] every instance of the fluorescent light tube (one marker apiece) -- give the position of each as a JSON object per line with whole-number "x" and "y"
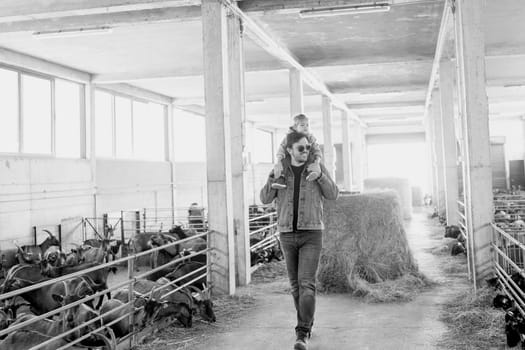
{"x": 344, "y": 10}
{"x": 66, "y": 33}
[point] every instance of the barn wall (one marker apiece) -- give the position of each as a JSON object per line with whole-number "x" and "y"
{"x": 190, "y": 184}
{"x": 513, "y": 132}
{"x": 129, "y": 185}
{"x": 42, "y": 192}
{"x": 257, "y": 176}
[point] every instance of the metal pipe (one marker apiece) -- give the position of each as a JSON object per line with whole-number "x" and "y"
{"x": 87, "y": 323}
{"x": 184, "y": 285}
{"x": 101, "y": 266}
{"x": 261, "y": 217}
{"x": 263, "y": 229}
{"x": 172, "y": 262}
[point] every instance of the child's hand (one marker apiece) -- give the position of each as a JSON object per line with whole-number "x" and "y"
{"x": 315, "y": 171}
{"x": 277, "y": 170}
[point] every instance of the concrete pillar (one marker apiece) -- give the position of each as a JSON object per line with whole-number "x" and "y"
{"x": 430, "y": 135}
{"x": 278, "y": 137}
{"x": 238, "y": 143}
{"x": 328, "y": 145}
{"x": 470, "y": 53}
{"x": 218, "y": 146}
{"x": 364, "y": 161}
{"x": 92, "y": 146}
{"x": 428, "y": 146}
{"x": 358, "y": 165}
{"x": 446, "y": 90}
{"x": 438, "y": 151}
{"x": 348, "y": 158}
{"x": 296, "y": 92}
{"x": 169, "y": 138}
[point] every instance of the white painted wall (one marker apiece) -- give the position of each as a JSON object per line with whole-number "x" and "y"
{"x": 190, "y": 184}
{"x": 513, "y": 131}
{"x": 42, "y": 192}
{"x": 128, "y": 185}
{"x": 48, "y": 191}
{"x": 257, "y": 176}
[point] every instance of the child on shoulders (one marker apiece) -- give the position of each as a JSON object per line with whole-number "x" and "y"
{"x": 301, "y": 125}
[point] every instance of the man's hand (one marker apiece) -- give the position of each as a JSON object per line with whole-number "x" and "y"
{"x": 315, "y": 171}
{"x": 277, "y": 170}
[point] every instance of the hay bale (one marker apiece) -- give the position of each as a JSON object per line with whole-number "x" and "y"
{"x": 417, "y": 196}
{"x": 472, "y": 322}
{"x": 399, "y": 185}
{"x": 365, "y": 243}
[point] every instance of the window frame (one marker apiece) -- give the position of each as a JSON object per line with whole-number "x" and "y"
{"x": 114, "y": 94}
{"x": 271, "y": 159}
{"x": 20, "y": 137}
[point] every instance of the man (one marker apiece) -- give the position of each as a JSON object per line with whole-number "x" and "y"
{"x": 299, "y": 220}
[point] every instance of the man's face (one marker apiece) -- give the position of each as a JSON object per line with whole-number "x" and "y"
{"x": 300, "y": 150}
{"x": 302, "y": 126}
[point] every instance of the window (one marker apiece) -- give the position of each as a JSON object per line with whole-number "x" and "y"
{"x": 405, "y": 160}
{"x": 189, "y": 142}
{"x": 262, "y": 147}
{"x": 9, "y": 108}
{"x": 36, "y": 114}
{"x": 103, "y": 124}
{"x": 148, "y": 130}
{"x": 124, "y": 128}
{"x": 67, "y": 115}
{"x": 156, "y": 132}
{"x": 127, "y": 128}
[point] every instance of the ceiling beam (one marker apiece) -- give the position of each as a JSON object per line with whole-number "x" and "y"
{"x": 38, "y": 65}
{"x": 21, "y": 10}
{"x": 386, "y": 105}
{"x": 444, "y": 29}
{"x": 325, "y": 68}
{"x": 137, "y": 92}
{"x": 393, "y": 129}
{"x": 294, "y": 5}
{"x": 409, "y": 114}
{"x": 282, "y": 6}
{"x": 179, "y": 14}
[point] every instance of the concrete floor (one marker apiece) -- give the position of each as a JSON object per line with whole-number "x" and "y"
{"x": 343, "y": 322}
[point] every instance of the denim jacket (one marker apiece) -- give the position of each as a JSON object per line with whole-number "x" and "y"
{"x": 311, "y": 195}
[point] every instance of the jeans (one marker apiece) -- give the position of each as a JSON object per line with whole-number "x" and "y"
{"x": 302, "y": 250}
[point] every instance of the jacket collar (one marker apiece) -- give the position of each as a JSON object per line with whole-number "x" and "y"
{"x": 287, "y": 163}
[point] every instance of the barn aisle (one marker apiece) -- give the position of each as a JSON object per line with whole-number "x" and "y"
{"x": 343, "y": 322}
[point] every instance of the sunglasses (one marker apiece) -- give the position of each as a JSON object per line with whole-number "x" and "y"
{"x": 302, "y": 148}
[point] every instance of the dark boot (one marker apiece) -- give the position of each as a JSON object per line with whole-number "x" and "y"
{"x": 301, "y": 341}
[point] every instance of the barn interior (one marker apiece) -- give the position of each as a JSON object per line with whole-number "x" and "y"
{"x": 133, "y": 106}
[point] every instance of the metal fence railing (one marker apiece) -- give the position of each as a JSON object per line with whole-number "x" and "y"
{"x": 124, "y": 225}
{"x": 463, "y": 227}
{"x": 462, "y": 219}
{"x": 264, "y": 236}
{"x": 71, "y": 335}
{"x": 507, "y": 258}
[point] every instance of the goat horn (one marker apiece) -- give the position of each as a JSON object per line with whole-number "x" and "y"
{"x": 110, "y": 344}
{"x": 49, "y": 233}
{"x": 151, "y": 294}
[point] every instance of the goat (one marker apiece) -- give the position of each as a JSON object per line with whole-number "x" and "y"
{"x": 28, "y": 253}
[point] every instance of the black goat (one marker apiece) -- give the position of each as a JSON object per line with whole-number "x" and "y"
{"x": 29, "y": 254}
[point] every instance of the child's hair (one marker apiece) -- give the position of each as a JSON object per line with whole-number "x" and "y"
{"x": 299, "y": 118}
{"x": 293, "y": 137}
